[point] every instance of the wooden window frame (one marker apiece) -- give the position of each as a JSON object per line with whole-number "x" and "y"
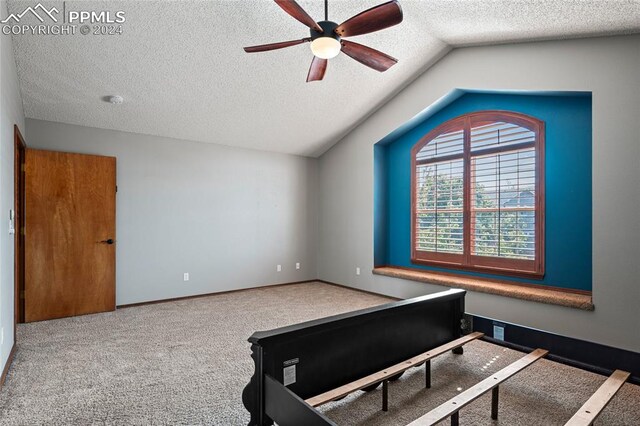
{"x": 466, "y": 261}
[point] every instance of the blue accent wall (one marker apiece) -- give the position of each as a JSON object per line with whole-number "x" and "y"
{"x": 381, "y": 202}
{"x": 568, "y": 215}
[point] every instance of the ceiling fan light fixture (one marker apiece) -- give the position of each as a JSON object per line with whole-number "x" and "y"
{"x": 326, "y": 36}
{"x": 325, "y": 47}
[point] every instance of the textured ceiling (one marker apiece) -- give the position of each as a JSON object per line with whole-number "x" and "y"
{"x": 472, "y": 22}
{"x": 181, "y": 69}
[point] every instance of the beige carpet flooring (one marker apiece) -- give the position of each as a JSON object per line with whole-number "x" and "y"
{"x": 186, "y": 363}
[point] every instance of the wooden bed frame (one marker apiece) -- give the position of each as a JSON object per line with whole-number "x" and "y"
{"x": 303, "y": 366}
{"x": 306, "y": 360}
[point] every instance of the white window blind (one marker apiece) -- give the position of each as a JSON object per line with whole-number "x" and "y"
{"x": 440, "y": 195}
{"x": 499, "y": 134}
{"x": 503, "y": 197}
{"x": 444, "y": 145}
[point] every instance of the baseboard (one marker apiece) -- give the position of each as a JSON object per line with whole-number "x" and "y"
{"x": 590, "y": 356}
{"x": 360, "y": 290}
{"x": 5, "y": 371}
{"x": 216, "y": 293}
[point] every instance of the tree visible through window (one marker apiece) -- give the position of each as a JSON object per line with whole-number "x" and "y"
{"x": 478, "y": 194}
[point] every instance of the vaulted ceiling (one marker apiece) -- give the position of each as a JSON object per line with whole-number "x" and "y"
{"x": 181, "y": 69}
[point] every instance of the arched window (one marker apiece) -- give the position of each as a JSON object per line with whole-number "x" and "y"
{"x": 478, "y": 194}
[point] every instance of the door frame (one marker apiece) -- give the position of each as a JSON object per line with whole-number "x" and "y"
{"x": 19, "y": 202}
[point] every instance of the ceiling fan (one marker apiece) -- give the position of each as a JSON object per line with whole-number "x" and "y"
{"x": 327, "y": 36}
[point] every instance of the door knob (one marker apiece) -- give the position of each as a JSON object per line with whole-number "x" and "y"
{"x": 109, "y": 241}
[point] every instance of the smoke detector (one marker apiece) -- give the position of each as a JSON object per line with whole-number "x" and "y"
{"x": 115, "y": 99}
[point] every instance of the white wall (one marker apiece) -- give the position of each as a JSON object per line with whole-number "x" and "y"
{"x": 225, "y": 215}
{"x": 10, "y": 114}
{"x": 610, "y": 68}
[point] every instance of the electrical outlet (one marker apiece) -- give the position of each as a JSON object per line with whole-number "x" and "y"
{"x": 357, "y": 270}
{"x": 297, "y": 265}
{"x": 1, "y": 336}
{"x": 186, "y": 276}
{"x": 278, "y": 268}
{"x": 498, "y": 331}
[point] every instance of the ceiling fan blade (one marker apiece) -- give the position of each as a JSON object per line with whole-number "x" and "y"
{"x": 370, "y": 57}
{"x": 294, "y": 9}
{"x": 377, "y": 18}
{"x": 317, "y": 69}
{"x": 273, "y": 46}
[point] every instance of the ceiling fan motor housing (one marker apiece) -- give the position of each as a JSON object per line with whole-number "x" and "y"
{"x": 328, "y": 28}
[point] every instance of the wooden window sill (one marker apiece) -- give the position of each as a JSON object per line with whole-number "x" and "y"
{"x": 534, "y": 293}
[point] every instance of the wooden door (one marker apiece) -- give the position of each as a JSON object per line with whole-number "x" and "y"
{"x": 70, "y": 202}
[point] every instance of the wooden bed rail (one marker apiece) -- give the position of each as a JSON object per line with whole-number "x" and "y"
{"x": 452, "y": 407}
{"x": 386, "y": 374}
{"x": 591, "y": 409}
